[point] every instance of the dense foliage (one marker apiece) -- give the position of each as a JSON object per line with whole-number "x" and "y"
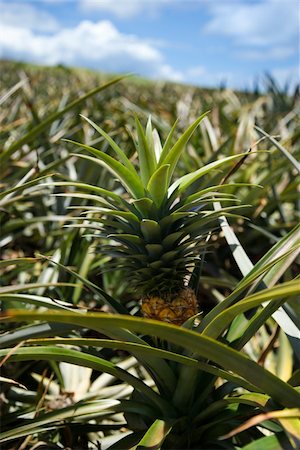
{"x": 81, "y": 368}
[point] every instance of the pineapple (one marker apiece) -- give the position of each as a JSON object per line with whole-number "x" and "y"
{"x": 156, "y": 230}
{"x": 174, "y": 308}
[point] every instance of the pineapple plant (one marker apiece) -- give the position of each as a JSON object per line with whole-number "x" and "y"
{"x": 156, "y": 230}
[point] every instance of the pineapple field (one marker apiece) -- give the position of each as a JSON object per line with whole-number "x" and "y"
{"x": 149, "y": 265}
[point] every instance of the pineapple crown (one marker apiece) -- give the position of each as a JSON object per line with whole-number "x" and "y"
{"x": 156, "y": 234}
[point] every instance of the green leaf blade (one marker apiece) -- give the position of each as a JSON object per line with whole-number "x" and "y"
{"x": 158, "y": 184}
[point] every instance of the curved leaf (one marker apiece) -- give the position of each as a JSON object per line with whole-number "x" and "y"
{"x": 155, "y": 435}
{"x": 112, "y": 143}
{"x": 145, "y": 350}
{"x": 171, "y": 157}
{"x": 184, "y": 182}
{"x": 201, "y": 345}
{"x": 216, "y": 326}
{"x": 158, "y": 184}
{"x": 128, "y": 178}
{"x": 86, "y": 360}
{"x": 290, "y": 157}
{"x": 146, "y": 155}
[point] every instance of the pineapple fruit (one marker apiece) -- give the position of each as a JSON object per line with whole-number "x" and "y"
{"x": 174, "y": 308}
{"x": 156, "y": 230}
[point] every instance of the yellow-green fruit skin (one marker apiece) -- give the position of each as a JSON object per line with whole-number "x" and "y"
{"x": 175, "y": 309}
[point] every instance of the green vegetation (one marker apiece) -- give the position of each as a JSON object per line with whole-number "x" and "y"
{"x": 116, "y": 194}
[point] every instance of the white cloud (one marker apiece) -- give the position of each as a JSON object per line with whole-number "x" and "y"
{"x": 97, "y": 45}
{"x": 34, "y": 35}
{"x": 264, "y": 23}
{"x": 167, "y": 72}
{"x": 25, "y": 14}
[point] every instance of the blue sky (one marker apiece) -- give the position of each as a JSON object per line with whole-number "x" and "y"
{"x": 202, "y": 42}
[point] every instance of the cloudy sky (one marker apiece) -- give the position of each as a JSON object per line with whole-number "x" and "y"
{"x": 203, "y": 42}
